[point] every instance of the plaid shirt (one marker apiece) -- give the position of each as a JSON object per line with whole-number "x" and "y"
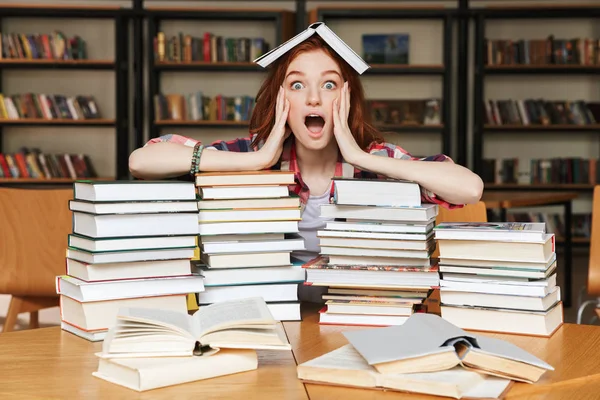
{"x": 289, "y": 162}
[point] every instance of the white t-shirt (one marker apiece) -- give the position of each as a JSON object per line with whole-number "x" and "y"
{"x": 309, "y": 225}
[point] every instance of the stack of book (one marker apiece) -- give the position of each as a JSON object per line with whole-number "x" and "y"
{"x": 131, "y": 246}
{"x": 499, "y": 276}
{"x": 375, "y": 252}
{"x": 425, "y": 355}
{"x": 248, "y": 225}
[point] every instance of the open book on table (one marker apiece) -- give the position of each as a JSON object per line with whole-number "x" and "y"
{"x": 242, "y": 324}
{"x": 346, "y": 367}
{"x": 427, "y": 342}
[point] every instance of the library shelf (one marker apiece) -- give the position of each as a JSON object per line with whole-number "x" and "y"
{"x": 57, "y": 122}
{"x": 405, "y": 69}
{"x": 49, "y": 180}
{"x": 540, "y": 186}
{"x": 533, "y": 69}
{"x": 542, "y": 128}
{"x": 208, "y": 66}
{"x": 14, "y": 63}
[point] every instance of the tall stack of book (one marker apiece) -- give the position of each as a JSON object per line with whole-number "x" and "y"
{"x": 375, "y": 252}
{"x": 131, "y": 246}
{"x": 499, "y": 276}
{"x": 248, "y": 225}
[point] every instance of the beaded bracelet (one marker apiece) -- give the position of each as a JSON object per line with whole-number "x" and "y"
{"x": 195, "y": 167}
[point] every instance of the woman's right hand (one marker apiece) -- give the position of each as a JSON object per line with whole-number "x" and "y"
{"x": 271, "y": 150}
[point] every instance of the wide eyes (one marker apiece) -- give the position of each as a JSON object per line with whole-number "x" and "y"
{"x": 329, "y": 85}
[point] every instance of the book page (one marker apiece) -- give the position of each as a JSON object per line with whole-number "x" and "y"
{"x": 234, "y": 313}
{"x": 173, "y": 320}
{"x": 345, "y": 357}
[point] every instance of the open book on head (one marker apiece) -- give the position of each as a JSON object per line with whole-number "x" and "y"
{"x": 242, "y": 324}
{"x": 427, "y": 342}
{"x": 333, "y": 40}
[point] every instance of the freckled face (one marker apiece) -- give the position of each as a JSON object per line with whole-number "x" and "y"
{"x": 313, "y": 81}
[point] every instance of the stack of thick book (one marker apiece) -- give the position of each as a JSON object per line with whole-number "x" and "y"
{"x": 174, "y": 347}
{"x": 375, "y": 252}
{"x": 499, "y": 276}
{"x": 131, "y": 246}
{"x": 248, "y": 225}
{"x": 426, "y": 355}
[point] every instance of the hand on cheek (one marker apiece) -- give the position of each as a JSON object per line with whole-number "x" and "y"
{"x": 346, "y": 142}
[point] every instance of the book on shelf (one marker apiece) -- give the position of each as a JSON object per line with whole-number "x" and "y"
{"x": 333, "y": 40}
{"x": 199, "y": 107}
{"x": 32, "y": 163}
{"x": 42, "y": 46}
{"x": 242, "y": 324}
{"x": 142, "y": 374}
{"x": 537, "y": 171}
{"x": 541, "y": 52}
{"x": 48, "y": 107}
{"x": 427, "y": 342}
{"x": 209, "y": 47}
{"x": 344, "y": 366}
{"x": 392, "y": 48}
{"x": 407, "y": 112}
{"x": 540, "y": 113}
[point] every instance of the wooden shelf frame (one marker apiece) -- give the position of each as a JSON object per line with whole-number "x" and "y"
{"x": 480, "y": 129}
{"x": 284, "y": 30}
{"x": 119, "y": 65}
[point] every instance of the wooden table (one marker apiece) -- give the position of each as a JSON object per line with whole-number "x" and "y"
{"x": 49, "y": 363}
{"x": 574, "y": 352}
{"x": 505, "y": 200}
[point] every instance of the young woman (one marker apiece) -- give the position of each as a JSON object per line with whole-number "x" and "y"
{"x": 310, "y": 118}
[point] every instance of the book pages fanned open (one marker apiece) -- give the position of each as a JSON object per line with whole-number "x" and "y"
{"x": 346, "y": 367}
{"x": 333, "y": 40}
{"x": 427, "y": 342}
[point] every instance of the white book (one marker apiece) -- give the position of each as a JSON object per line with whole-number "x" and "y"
{"x": 92, "y": 336}
{"x": 246, "y": 276}
{"x": 255, "y": 227}
{"x": 280, "y": 202}
{"x": 285, "y": 311}
{"x": 126, "y": 288}
{"x": 374, "y": 192}
{"x": 353, "y": 251}
{"x": 273, "y": 292}
{"x": 423, "y": 213}
{"x": 526, "y": 303}
{"x": 333, "y": 40}
{"x": 243, "y": 192}
{"x": 374, "y": 235}
{"x": 380, "y": 226}
{"x": 273, "y": 214}
{"x": 124, "y": 225}
{"x": 247, "y": 260}
{"x": 132, "y": 207}
{"x": 492, "y": 231}
{"x": 373, "y": 244}
{"x": 133, "y": 190}
{"x": 130, "y": 243}
{"x": 127, "y": 270}
{"x": 253, "y": 246}
{"x": 242, "y": 237}
{"x": 102, "y": 315}
{"x": 130, "y": 256}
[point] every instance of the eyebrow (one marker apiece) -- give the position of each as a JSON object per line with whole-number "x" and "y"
{"x": 331, "y": 71}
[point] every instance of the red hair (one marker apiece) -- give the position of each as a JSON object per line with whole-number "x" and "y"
{"x": 263, "y": 114}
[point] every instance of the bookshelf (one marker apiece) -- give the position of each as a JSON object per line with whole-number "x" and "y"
{"x": 75, "y": 130}
{"x": 538, "y": 74}
{"x": 436, "y": 70}
{"x": 281, "y": 21}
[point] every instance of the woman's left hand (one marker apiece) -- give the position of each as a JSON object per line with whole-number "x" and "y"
{"x": 350, "y": 150}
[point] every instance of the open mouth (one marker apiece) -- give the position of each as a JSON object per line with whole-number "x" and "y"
{"x": 314, "y": 123}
